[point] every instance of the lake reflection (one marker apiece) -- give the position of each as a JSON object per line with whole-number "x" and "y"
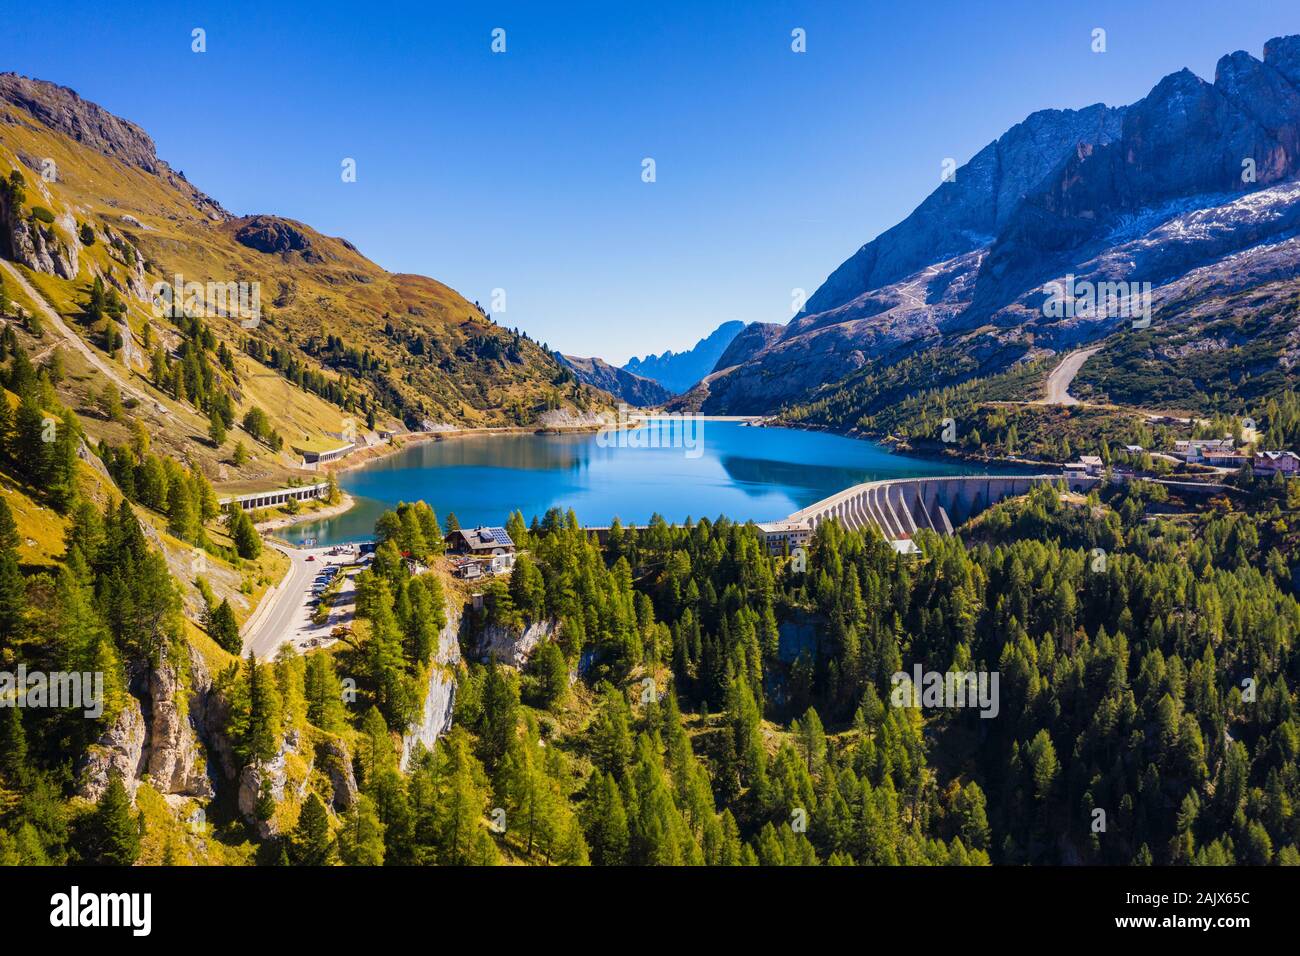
{"x": 743, "y": 472}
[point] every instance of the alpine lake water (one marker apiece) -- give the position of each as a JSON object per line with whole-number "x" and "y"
{"x": 729, "y": 468}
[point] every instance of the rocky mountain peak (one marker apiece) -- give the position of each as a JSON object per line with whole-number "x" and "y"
{"x": 1283, "y": 55}
{"x": 65, "y": 112}
{"x": 1183, "y": 183}
{"x": 966, "y": 212}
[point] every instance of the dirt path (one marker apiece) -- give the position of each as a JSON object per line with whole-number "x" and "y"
{"x": 53, "y": 317}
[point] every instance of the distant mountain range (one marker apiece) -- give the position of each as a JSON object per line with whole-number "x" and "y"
{"x": 620, "y": 383}
{"x": 678, "y": 371}
{"x": 1192, "y": 189}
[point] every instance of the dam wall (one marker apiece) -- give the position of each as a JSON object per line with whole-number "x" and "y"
{"x": 900, "y": 507}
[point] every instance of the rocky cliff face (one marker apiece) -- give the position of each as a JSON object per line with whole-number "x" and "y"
{"x": 119, "y": 752}
{"x": 440, "y": 693}
{"x": 276, "y": 236}
{"x": 272, "y": 778}
{"x": 155, "y": 734}
{"x": 41, "y": 247}
{"x": 753, "y": 339}
{"x": 512, "y": 647}
{"x": 62, "y": 109}
{"x": 965, "y": 213}
{"x": 176, "y": 761}
{"x": 1195, "y": 180}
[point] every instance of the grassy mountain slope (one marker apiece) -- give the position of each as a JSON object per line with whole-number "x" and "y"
{"x": 338, "y": 338}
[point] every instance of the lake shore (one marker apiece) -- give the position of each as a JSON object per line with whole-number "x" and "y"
{"x": 373, "y": 453}
{"x": 288, "y": 521}
{"x": 929, "y": 451}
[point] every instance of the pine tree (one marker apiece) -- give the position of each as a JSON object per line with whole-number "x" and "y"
{"x": 14, "y": 768}
{"x": 324, "y": 694}
{"x": 223, "y": 628}
{"x": 216, "y": 427}
{"x": 6, "y": 429}
{"x": 181, "y": 520}
{"x": 605, "y": 821}
{"x": 112, "y": 835}
{"x": 552, "y": 672}
{"x": 257, "y": 713}
{"x": 62, "y": 474}
{"x": 375, "y": 755}
{"x": 248, "y": 543}
{"x": 311, "y": 844}
{"x": 361, "y": 838}
{"x": 500, "y": 714}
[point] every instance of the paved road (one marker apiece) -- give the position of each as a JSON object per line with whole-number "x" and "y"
{"x": 285, "y": 612}
{"x": 1058, "y": 383}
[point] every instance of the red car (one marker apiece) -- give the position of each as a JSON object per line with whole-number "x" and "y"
{"x": 311, "y": 557}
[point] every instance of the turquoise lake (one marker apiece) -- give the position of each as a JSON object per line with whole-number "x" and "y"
{"x": 734, "y": 470}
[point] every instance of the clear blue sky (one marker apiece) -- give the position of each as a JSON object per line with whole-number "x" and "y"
{"x": 523, "y": 170}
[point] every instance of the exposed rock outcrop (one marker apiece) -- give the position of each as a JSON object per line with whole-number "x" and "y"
{"x": 154, "y": 735}
{"x": 435, "y": 716}
{"x": 334, "y": 759}
{"x": 88, "y": 123}
{"x": 567, "y": 418}
{"x": 511, "y": 647}
{"x": 175, "y": 760}
{"x": 276, "y": 236}
{"x": 130, "y": 279}
{"x": 439, "y": 695}
{"x": 37, "y": 245}
{"x": 273, "y": 776}
{"x": 120, "y": 752}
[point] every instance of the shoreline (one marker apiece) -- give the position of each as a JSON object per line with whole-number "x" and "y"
{"x": 288, "y": 521}
{"x": 382, "y": 451}
{"x": 375, "y": 453}
{"x": 900, "y": 446}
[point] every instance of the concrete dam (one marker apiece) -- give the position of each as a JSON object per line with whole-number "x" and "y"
{"x": 900, "y": 507}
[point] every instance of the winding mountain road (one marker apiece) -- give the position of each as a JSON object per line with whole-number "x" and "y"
{"x": 1058, "y": 382}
